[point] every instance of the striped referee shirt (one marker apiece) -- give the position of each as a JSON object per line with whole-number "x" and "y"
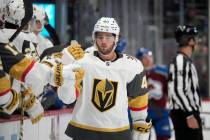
{"x": 183, "y": 88}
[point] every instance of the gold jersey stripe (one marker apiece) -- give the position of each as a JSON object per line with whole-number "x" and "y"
{"x": 139, "y": 102}
{"x": 58, "y": 72}
{"x": 18, "y": 70}
{"x": 98, "y": 129}
{"x": 4, "y": 85}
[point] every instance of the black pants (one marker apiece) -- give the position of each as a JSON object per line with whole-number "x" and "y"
{"x": 182, "y": 131}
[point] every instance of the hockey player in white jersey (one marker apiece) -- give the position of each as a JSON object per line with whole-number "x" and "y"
{"x": 42, "y": 71}
{"x": 37, "y": 25}
{"x": 112, "y": 82}
{"x": 34, "y": 74}
{"x": 13, "y": 12}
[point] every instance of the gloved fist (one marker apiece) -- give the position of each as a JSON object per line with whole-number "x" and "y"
{"x": 75, "y": 50}
{"x": 141, "y": 130}
{"x": 67, "y": 92}
{"x": 70, "y": 71}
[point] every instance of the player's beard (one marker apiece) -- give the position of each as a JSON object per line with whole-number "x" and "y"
{"x": 104, "y": 50}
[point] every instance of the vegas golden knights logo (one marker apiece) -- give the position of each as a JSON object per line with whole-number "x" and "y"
{"x": 104, "y": 94}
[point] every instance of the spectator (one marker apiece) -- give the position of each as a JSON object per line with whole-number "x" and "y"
{"x": 37, "y": 24}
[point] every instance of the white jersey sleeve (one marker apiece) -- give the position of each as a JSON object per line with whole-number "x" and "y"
{"x": 43, "y": 43}
{"x": 25, "y": 43}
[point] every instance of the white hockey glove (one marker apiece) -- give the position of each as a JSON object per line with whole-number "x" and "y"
{"x": 71, "y": 73}
{"x": 32, "y": 106}
{"x": 60, "y": 73}
{"x": 141, "y": 130}
{"x": 55, "y": 68}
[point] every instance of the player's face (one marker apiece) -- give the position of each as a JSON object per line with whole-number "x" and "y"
{"x": 147, "y": 61}
{"x": 105, "y": 42}
{"x": 193, "y": 43}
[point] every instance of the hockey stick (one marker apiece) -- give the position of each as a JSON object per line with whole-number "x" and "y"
{"x": 28, "y": 15}
{"x": 22, "y": 112}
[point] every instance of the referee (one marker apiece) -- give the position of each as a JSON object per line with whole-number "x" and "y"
{"x": 183, "y": 88}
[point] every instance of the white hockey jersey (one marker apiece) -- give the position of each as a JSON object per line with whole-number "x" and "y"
{"x": 103, "y": 103}
{"x": 43, "y": 43}
{"x": 25, "y": 43}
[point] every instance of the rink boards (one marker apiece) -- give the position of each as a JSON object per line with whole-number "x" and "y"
{"x": 54, "y": 123}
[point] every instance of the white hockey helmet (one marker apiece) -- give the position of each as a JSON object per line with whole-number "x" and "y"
{"x": 107, "y": 24}
{"x": 2, "y": 9}
{"x": 38, "y": 15}
{"x": 14, "y": 12}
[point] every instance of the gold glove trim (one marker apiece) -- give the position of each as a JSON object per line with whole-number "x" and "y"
{"x": 27, "y": 92}
{"x": 47, "y": 63}
{"x": 142, "y": 127}
{"x": 29, "y": 103}
{"x": 58, "y": 75}
{"x": 76, "y": 51}
{"x": 37, "y": 119}
{"x": 57, "y": 55}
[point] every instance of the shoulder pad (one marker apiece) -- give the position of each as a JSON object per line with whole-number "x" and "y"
{"x": 133, "y": 63}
